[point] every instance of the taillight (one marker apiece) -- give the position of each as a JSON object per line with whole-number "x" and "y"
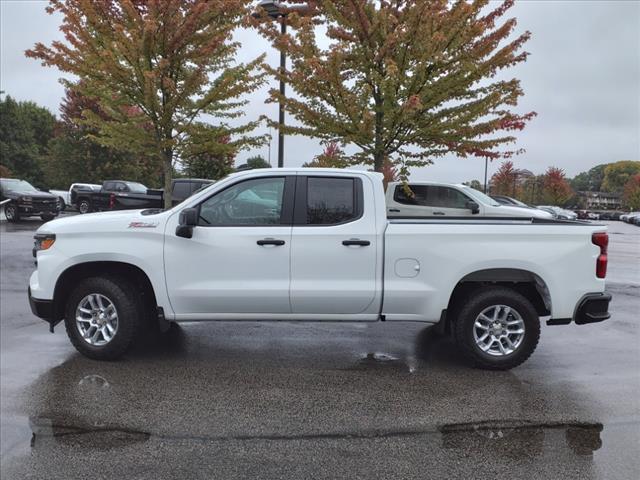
{"x": 601, "y": 239}
{"x": 112, "y": 200}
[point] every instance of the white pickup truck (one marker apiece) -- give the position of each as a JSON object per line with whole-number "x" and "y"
{"x": 316, "y": 245}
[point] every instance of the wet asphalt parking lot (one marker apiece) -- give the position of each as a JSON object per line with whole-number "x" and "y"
{"x": 285, "y": 400}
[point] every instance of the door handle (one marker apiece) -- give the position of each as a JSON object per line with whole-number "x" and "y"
{"x": 357, "y": 242}
{"x": 438, "y": 213}
{"x": 270, "y": 241}
{"x": 396, "y": 210}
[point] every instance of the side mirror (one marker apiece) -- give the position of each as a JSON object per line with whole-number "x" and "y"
{"x": 188, "y": 220}
{"x": 473, "y": 206}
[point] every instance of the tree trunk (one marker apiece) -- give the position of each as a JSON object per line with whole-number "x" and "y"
{"x": 168, "y": 174}
{"x": 379, "y": 153}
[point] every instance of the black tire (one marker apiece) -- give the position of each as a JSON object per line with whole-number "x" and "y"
{"x": 130, "y": 312}
{"x": 63, "y": 205}
{"x": 478, "y": 301}
{"x": 12, "y": 213}
{"x": 47, "y": 216}
{"x": 84, "y": 206}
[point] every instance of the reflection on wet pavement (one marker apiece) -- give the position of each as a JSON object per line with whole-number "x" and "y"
{"x": 264, "y": 400}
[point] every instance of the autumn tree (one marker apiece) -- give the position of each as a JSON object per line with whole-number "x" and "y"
{"x": 631, "y": 192}
{"x": 73, "y": 157}
{"x": 617, "y": 174}
{"x": 505, "y": 180}
{"x": 167, "y": 61}
{"x": 332, "y": 156}
{"x": 556, "y": 189}
{"x": 408, "y": 80}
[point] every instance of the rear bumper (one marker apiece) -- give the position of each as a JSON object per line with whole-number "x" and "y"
{"x": 592, "y": 308}
{"x": 41, "y": 308}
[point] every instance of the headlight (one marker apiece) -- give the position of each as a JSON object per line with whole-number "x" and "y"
{"x": 43, "y": 241}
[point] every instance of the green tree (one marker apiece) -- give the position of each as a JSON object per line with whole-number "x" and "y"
{"x": 257, "y": 161}
{"x": 155, "y": 67}
{"x": 475, "y": 184}
{"x": 210, "y": 161}
{"x": 590, "y": 181}
{"x": 25, "y": 131}
{"x": 408, "y": 80}
{"x": 617, "y": 174}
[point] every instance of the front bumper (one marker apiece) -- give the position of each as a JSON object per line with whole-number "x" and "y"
{"x": 592, "y": 308}
{"x": 41, "y": 308}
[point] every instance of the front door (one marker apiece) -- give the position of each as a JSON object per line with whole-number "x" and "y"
{"x": 237, "y": 261}
{"x": 333, "y": 248}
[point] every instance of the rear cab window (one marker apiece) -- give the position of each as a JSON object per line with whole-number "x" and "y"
{"x": 325, "y": 201}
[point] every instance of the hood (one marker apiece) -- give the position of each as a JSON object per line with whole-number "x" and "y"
{"x": 103, "y": 222}
{"x": 30, "y": 193}
{"x": 515, "y": 211}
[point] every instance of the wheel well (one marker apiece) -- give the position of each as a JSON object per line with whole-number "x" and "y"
{"x": 524, "y": 282}
{"x": 71, "y": 276}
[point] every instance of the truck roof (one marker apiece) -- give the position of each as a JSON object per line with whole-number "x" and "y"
{"x": 307, "y": 170}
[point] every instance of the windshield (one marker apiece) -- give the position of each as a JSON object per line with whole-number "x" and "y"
{"x": 135, "y": 187}
{"x": 17, "y": 185}
{"x": 481, "y": 197}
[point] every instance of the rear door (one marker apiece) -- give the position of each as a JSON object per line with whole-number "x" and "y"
{"x": 333, "y": 247}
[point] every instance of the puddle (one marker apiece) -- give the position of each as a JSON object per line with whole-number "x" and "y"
{"x": 518, "y": 439}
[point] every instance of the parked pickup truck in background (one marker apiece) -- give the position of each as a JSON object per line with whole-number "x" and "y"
{"x": 428, "y": 199}
{"x": 124, "y": 195}
{"x": 316, "y": 245}
{"x": 65, "y": 196}
{"x": 21, "y": 199}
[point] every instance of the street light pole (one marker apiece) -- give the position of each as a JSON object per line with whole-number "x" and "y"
{"x": 283, "y": 67}
{"x": 486, "y": 166}
{"x": 277, "y": 11}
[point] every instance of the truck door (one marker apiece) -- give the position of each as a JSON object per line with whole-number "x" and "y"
{"x": 237, "y": 261}
{"x": 333, "y": 247}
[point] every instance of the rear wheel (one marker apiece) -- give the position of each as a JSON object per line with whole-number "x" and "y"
{"x": 84, "y": 206}
{"x": 47, "y": 216}
{"x": 102, "y": 317}
{"x": 497, "y": 329}
{"x": 11, "y": 212}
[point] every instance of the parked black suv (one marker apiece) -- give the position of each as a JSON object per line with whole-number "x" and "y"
{"x": 24, "y": 200}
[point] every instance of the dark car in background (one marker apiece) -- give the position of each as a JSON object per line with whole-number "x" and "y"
{"x": 21, "y": 199}
{"x": 125, "y": 195}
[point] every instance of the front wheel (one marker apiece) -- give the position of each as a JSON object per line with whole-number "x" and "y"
{"x": 47, "y": 216}
{"x": 102, "y": 317}
{"x": 11, "y": 212}
{"x": 62, "y": 204}
{"x": 497, "y": 329}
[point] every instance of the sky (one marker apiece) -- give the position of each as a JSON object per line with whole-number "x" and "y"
{"x": 582, "y": 78}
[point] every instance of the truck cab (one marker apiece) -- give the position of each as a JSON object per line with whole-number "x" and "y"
{"x": 430, "y": 199}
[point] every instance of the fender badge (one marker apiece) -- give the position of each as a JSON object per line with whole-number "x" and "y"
{"x": 143, "y": 224}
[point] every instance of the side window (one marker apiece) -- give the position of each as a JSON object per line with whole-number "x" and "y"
{"x": 181, "y": 189}
{"x": 109, "y": 186}
{"x": 449, "y": 198}
{"x": 252, "y": 202}
{"x": 420, "y": 195}
{"x": 121, "y": 187}
{"x": 331, "y": 200}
